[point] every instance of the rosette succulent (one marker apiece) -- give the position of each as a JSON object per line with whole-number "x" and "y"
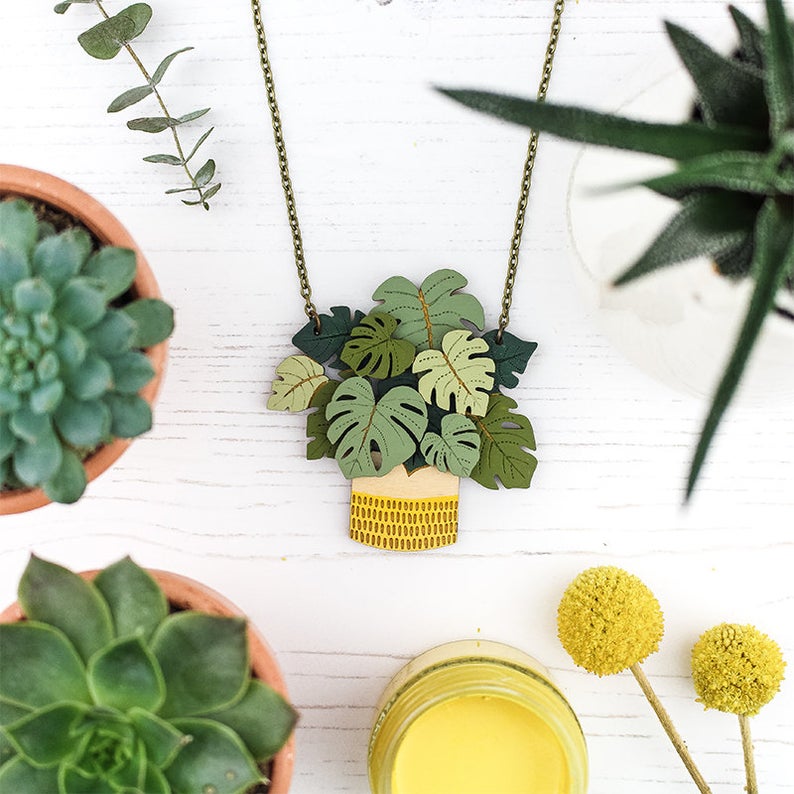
{"x": 415, "y": 386}
{"x": 734, "y": 178}
{"x": 103, "y": 691}
{"x": 71, "y": 358}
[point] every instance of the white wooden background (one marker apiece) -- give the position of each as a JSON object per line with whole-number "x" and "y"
{"x": 393, "y": 179}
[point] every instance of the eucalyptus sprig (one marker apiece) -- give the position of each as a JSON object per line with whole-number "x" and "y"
{"x": 104, "y": 41}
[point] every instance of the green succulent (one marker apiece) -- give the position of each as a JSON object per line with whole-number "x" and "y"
{"x": 71, "y": 360}
{"x": 734, "y": 178}
{"x": 102, "y": 691}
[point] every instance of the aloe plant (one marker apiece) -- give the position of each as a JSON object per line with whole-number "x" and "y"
{"x": 103, "y": 690}
{"x": 734, "y": 177}
{"x": 71, "y": 358}
{"x": 415, "y": 386}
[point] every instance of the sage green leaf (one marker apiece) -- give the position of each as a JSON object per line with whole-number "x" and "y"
{"x": 62, "y": 7}
{"x": 60, "y": 257}
{"x": 707, "y": 224}
{"x": 212, "y": 677}
{"x": 131, "y": 372}
{"x": 13, "y": 266}
{"x": 19, "y": 777}
{"x": 729, "y": 92}
{"x": 140, "y": 14}
{"x": 160, "y": 71}
{"x": 209, "y": 193}
{"x": 34, "y": 463}
{"x": 82, "y": 423}
{"x": 192, "y": 116}
{"x": 113, "y": 335}
{"x": 773, "y": 261}
{"x": 427, "y": 313}
{"x": 129, "y": 98}
{"x": 137, "y": 603}
{"x": 215, "y": 760}
{"x": 205, "y": 173}
{"x": 8, "y": 440}
{"x": 67, "y": 485}
{"x": 45, "y": 737}
{"x": 154, "y": 320}
{"x": 779, "y": 63}
{"x": 161, "y": 739}
{"x": 72, "y": 348}
{"x": 104, "y": 40}
{"x": 504, "y": 440}
{"x": 510, "y": 357}
{"x": 151, "y": 124}
{"x": 457, "y": 377}
{"x": 91, "y": 380}
{"x": 751, "y": 38}
{"x": 300, "y": 377}
{"x": 263, "y": 719}
{"x": 373, "y": 351}
{"x": 130, "y": 415}
{"x": 52, "y": 594}
{"x": 677, "y": 141}
{"x": 317, "y": 423}
{"x": 165, "y": 159}
{"x": 28, "y": 425}
{"x": 32, "y": 295}
{"x": 374, "y": 437}
{"x": 335, "y": 329}
{"x": 201, "y": 140}
{"x": 81, "y": 303}
{"x": 114, "y": 268}
{"x": 46, "y": 668}
{"x": 456, "y": 449}
{"x": 18, "y": 229}
{"x": 45, "y": 398}
{"x": 126, "y": 674}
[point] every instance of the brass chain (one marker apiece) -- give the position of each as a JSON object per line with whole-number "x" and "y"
{"x": 289, "y": 195}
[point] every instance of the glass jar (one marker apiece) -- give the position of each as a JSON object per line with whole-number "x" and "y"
{"x": 475, "y": 716}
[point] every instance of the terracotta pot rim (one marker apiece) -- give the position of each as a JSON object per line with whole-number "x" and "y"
{"x": 28, "y": 183}
{"x": 184, "y": 592}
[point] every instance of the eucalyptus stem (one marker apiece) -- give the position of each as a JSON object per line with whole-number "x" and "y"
{"x": 749, "y": 758}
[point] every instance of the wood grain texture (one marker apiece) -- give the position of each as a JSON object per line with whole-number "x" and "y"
{"x": 393, "y": 179}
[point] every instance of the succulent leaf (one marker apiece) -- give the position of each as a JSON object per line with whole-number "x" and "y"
{"x": 38, "y": 461}
{"x": 68, "y": 482}
{"x": 82, "y": 423}
{"x": 59, "y": 258}
{"x": 28, "y": 426}
{"x": 154, "y": 321}
{"x": 92, "y": 380}
{"x": 751, "y": 38}
{"x": 81, "y": 303}
{"x": 44, "y": 737}
{"x": 130, "y": 415}
{"x": 161, "y": 739}
{"x": 113, "y": 335}
{"x": 114, "y": 268}
{"x": 18, "y": 228}
{"x": 22, "y": 778}
{"x": 131, "y": 371}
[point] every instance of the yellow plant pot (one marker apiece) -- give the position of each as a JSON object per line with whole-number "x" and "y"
{"x": 405, "y": 512}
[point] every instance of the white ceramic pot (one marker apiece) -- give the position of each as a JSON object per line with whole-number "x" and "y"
{"x": 678, "y": 324}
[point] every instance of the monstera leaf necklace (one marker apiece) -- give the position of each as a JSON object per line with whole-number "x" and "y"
{"x": 406, "y": 398}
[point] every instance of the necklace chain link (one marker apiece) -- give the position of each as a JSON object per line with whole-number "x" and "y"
{"x": 289, "y": 194}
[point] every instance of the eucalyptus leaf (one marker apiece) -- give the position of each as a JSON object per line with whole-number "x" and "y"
{"x": 192, "y": 116}
{"x": 204, "y": 175}
{"x": 105, "y": 40}
{"x": 160, "y": 71}
{"x": 201, "y": 140}
{"x": 130, "y": 98}
{"x": 298, "y": 379}
{"x": 165, "y": 159}
{"x": 140, "y": 14}
{"x": 151, "y": 124}
{"x": 209, "y": 193}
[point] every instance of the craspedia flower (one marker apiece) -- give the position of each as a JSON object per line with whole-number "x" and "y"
{"x": 736, "y": 668}
{"x": 608, "y": 620}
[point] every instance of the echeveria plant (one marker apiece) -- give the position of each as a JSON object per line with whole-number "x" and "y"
{"x": 734, "y": 177}
{"x": 104, "y": 691}
{"x": 416, "y": 386}
{"x": 71, "y": 359}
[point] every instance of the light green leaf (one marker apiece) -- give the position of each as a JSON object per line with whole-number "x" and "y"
{"x": 504, "y": 439}
{"x": 44, "y": 737}
{"x": 67, "y": 485}
{"x": 317, "y": 423}
{"x": 456, "y": 450}
{"x": 165, "y": 159}
{"x": 156, "y": 782}
{"x": 129, "y": 98}
{"x": 457, "y": 377}
{"x": 154, "y": 321}
{"x": 300, "y": 377}
{"x": 373, "y": 351}
{"x": 374, "y": 437}
{"x": 192, "y": 116}
{"x": 19, "y": 777}
{"x": 159, "y": 72}
{"x": 105, "y": 40}
{"x": 427, "y": 313}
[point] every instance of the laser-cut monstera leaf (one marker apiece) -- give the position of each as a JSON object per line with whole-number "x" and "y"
{"x": 373, "y": 351}
{"x": 427, "y": 313}
{"x": 373, "y": 437}
{"x": 510, "y": 357}
{"x": 456, "y": 450}
{"x": 335, "y": 329}
{"x": 317, "y": 424}
{"x": 300, "y": 376}
{"x": 457, "y": 377}
{"x": 504, "y": 440}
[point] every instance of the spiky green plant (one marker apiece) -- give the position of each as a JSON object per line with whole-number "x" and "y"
{"x": 734, "y": 177}
{"x": 103, "y": 691}
{"x": 71, "y": 360}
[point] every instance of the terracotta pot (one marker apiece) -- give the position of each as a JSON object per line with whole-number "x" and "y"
{"x": 185, "y": 593}
{"x": 26, "y": 183}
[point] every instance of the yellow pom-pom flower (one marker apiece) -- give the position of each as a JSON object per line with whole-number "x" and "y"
{"x": 608, "y": 620}
{"x": 737, "y": 669}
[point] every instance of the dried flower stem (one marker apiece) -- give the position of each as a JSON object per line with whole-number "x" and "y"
{"x": 749, "y": 759}
{"x": 669, "y": 728}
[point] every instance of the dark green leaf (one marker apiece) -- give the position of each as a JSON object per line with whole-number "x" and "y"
{"x": 317, "y": 423}
{"x": 161, "y": 739}
{"x": 511, "y": 357}
{"x": 40, "y": 666}
{"x": 737, "y": 261}
{"x": 129, "y": 98}
{"x": 198, "y": 143}
{"x": 707, "y": 224}
{"x": 154, "y": 321}
{"x": 104, "y": 40}
{"x": 205, "y": 173}
{"x": 82, "y": 423}
{"x": 130, "y": 415}
{"x": 751, "y": 37}
{"x": 67, "y": 485}
{"x": 35, "y": 463}
{"x": 677, "y": 141}
{"x": 19, "y": 777}
{"x": 136, "y": 602}
{"x": 126, "y": 674}
{"x": 18, "y": 229}
{"x": 165, "y": 159}
{"x": 131, "y": 372}
{"x": 159, "y": 72}
{"x": 335, "y": 330}
{"x": 52, "y": 594}
{"x": 729, "y": 92}
{"x": 773, "y": 260}
{"x": 779, "y": 58}
{"x": 140, "y": 14}
{"x": 150, "y": 124}
{"x": 263, "y": 719}
{"x": 44, "y": 737}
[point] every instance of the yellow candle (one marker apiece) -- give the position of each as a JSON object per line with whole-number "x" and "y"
{"x": 476, "y": 744}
